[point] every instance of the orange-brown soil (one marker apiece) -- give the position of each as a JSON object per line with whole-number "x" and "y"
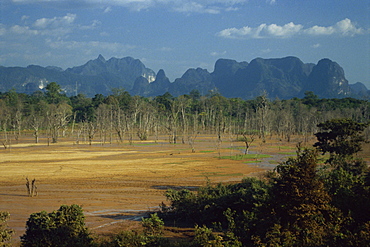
{"x": 117, "y": 182}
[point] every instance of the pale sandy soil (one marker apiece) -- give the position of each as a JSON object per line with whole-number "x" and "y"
{"x": 114, "y": 182}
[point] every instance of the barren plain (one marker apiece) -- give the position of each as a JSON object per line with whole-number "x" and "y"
{"x": 119, "y": 182}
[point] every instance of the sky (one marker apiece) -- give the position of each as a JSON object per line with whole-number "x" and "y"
{"x": 176, "y": 35}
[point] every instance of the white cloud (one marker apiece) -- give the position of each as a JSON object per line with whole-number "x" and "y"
{"x": 316, "y": 45}
{"x": 262, "y": 31}
{"x": 198, "y": 6}
{"x": 24, "y": 17}
{"x": 107, "y": 10}
{"x": 283, "y": 31}
{"x": 55, "y": 22}
{"x": 56, "y": 27}
{"x": 345, "y": 28}
{"x": 23, "y": 30}
{"x": 92, "y": 26}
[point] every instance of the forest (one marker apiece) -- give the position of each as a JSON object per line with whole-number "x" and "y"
{"x": 320, "y": 197}
{"x": 120, "y": 116}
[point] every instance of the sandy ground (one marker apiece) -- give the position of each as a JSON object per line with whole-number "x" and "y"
{"x": 116, "y": 182}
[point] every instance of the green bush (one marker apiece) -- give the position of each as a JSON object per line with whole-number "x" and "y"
{"x": 5, "y": 232}
{"x": 61, "y": 228}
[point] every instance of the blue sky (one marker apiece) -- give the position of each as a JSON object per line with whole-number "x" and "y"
{"x": 175, "y": 35}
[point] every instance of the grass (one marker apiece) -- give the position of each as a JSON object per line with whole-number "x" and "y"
{"x": 206, "y": 151}
{"x": 245, "y": 156}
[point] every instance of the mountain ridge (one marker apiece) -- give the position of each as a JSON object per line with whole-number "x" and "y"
{"x": 282, "y": 78}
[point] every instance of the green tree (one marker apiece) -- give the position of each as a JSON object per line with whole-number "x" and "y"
{"x": 54, "y": 93}
{"x": 300, "y": 210}
{"x": 347, "y": 178}
{"x": 5, "y": 232}
{"x": 61, "y": 228}
{"x": 342, "y": 137}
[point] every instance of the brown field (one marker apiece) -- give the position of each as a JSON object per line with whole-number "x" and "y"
{"x": 117, "y": 182}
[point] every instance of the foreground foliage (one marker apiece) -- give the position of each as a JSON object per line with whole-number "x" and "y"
{"x": 5, "y": 232}
{"x": 299, "y": 203}
{"x": 61, "y": 228}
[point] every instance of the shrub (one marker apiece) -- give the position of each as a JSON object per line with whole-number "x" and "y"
{"x": 5, "y": 232}
{"x": 61, "y": 228}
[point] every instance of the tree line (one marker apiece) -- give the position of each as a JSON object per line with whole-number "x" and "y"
{"x": 121, "y": 116}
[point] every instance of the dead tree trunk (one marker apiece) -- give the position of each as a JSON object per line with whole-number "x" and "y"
{"x": 31, "y": 188}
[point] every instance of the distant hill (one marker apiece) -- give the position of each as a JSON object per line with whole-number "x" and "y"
{"x": 279, "y": 77}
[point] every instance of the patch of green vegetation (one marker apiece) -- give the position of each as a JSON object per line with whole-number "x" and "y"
{"x": 246, "y": 156}
{"x": 206, "y": 151}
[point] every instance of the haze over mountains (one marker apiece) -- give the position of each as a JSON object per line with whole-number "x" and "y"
{"x": 282, "y": 78}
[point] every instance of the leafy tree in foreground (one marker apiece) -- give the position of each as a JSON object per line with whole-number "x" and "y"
{"x": 347, "y": 178}
{"x": 340, "y": 137}
{"x": 64, "y": 227}
{"x": 5, "y": 232}
{"x": 301, "y": 214}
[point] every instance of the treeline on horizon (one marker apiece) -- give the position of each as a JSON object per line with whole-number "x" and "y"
{"x": 121, "y": 116}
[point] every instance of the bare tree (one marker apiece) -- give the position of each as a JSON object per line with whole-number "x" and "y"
{"x": 57, "y": 118}
{"x": 5, "y": 116}
{"x": 103, "y": 115}
{"x": 248, "y": 139}
{"x": 36, "y": 118}
{"x": 262, "y": 111}
{"x": 31, "y": 187}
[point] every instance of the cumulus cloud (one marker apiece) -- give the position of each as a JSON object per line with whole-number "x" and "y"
{"x": 55, "y": 22}
{"x": 22, "y": 30}
{"x": 262, "y": 31}
{"x": 345, "y": 28}
{"x": 56, "y": 26}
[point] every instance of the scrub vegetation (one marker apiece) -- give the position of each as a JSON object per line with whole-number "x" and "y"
{"x": 319, "y": 197}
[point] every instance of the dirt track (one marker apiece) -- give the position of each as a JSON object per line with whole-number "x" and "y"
{"x": 111, "y": 182}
